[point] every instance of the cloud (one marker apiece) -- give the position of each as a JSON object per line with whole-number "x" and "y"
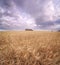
{"x": 50, "y": 25}
{"x": 14, "y": 19}
{"x": 39, "y": 8}
{"x": 45, "y": 12}
{"x": 35, "y": 14}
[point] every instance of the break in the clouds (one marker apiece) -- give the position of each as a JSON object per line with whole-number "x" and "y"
{"x": 34, "y": 14}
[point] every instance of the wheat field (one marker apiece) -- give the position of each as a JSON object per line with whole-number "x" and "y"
{"x": 29, "y": 48}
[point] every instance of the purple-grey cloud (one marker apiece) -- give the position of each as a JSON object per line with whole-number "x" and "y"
{"x": 21, "y": 14}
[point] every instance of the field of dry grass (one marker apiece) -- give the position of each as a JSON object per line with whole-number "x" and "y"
{"x": 29, "y": 48}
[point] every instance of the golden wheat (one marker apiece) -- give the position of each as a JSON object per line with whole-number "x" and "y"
{"x": 29, "y": 48}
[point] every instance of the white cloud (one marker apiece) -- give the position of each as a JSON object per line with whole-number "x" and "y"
{"x": 49, "y": 11}
{"x": 56, "y": 26}
{"x": 2, "y": 10}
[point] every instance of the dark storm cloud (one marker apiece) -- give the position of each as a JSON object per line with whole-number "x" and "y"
{"x": 53, "y": 25}
{"x": 45, "y": 25}
{"x": 57, "y": 21}
{"x": 5, "y": 3}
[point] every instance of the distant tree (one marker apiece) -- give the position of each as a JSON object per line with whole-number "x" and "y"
{"x": 28, "y": 30}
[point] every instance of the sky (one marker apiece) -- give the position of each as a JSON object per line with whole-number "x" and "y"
{"x": 31, "y": 14}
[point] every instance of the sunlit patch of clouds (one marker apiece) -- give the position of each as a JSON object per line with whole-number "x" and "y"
{"x": 1, "y": 10}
